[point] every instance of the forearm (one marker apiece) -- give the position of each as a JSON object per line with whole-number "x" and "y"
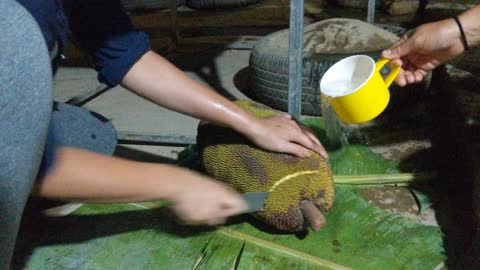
{"x": 159, "y": 81}
{"x": 84, "y": 176}
{"x": 471, "y": 23}
{"x": 156, "y": 79}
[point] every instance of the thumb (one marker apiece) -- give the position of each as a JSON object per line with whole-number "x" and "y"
{"x": 399, "y": 50}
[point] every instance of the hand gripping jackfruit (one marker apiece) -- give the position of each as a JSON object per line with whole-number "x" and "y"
{"x": 230, "y": 157}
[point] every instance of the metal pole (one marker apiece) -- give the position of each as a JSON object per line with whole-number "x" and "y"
{"x": 295, "y": 74}
{"x": 371, "y": 11}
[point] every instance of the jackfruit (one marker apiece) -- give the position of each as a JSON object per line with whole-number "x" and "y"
{"x": 228, "y": 156}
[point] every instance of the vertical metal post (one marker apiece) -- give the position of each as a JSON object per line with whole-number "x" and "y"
{"x": 371, "y": 11}
{"x": 295, "y": 73}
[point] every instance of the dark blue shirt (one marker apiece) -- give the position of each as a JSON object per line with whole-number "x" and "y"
{"x": 101, "y": 27}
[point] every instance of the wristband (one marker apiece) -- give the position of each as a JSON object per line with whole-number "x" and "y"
{"x": 463, "y": 38}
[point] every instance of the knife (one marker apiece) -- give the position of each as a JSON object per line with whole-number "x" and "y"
{"x": 255, "y": 201}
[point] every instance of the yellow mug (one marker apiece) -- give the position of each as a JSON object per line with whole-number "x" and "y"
{"x": 356, "y": 89}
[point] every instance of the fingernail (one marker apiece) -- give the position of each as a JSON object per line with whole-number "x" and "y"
{"x": 387, "y": 52}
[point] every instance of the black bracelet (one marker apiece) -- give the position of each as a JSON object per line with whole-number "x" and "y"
{"x": 462, "y": 34}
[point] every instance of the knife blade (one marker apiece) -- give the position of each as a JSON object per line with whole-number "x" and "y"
{"x": 255, "y": 201}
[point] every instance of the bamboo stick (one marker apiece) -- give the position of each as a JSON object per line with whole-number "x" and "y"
{"x": 385, "y": 179}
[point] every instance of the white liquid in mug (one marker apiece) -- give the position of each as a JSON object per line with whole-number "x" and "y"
{"x": 341, "y": 87}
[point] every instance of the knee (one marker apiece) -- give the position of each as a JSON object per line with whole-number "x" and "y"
{"x": 77, "y": 127}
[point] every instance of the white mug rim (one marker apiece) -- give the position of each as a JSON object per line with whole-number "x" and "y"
{"x": 330, "y": 70}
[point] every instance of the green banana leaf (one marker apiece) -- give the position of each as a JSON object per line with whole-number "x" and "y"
{"x": 145, "y": 236}
{"x": 133, "y": 236}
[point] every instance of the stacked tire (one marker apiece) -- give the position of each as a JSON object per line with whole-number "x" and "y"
{"x": 269, "y": 70}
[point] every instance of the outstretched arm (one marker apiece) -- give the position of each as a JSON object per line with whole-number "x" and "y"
{"x": 156, "y": 79}
{"x": 430, "y": 45}
{"x": 85, "y": 176}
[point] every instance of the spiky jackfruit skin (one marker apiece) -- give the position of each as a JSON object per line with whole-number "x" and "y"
{"x": 229, "y": 157}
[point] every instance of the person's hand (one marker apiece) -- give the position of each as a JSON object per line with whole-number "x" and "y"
{"x": 423, "y": 49}
{"x": 201, "y": 200}
{"x": 281, "y": 133}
